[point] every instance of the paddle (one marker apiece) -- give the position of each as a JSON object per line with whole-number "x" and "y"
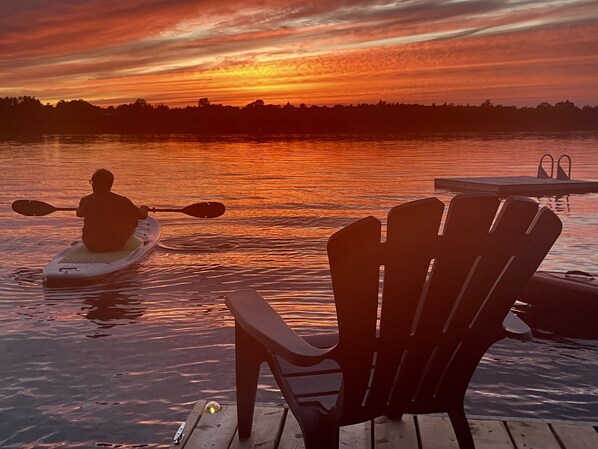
{"x": 35, "y": 208}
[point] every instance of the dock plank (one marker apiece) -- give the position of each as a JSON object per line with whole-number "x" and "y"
{"x": 214, "y": 431}
{"x": 292, "y": 437}
{"x": 576, "y": 437}
{"x": 490, "y": 434}
{"x": 268, "y": 423}
{"x": 532, "y": 435}
{"x": 190, "y": 424}
{"x": 356, "y": 436}
{"x": 436, "y": 432}
{"x": 389, "y": 434}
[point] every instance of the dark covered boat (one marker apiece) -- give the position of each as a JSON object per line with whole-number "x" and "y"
{"x": 560, "y": 304}
{"x": 573, "y": 289}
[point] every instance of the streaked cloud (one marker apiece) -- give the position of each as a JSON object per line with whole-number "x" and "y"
{"x": 330, "y": 51}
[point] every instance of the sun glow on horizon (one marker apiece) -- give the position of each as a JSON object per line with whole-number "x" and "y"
{"x": 518, "y": 52}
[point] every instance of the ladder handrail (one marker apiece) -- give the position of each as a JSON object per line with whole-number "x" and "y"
{"x": 560, "y": 173}
{"x": 541, "y": 172}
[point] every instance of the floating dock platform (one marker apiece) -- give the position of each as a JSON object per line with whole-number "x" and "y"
{"x": 517, "y": 185}
{"x": 274, "y": 427}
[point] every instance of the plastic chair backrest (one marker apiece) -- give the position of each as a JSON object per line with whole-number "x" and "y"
{"x": 417, "y": 337}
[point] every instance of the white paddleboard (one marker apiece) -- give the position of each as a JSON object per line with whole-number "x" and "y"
{"x": 76, "y": 264}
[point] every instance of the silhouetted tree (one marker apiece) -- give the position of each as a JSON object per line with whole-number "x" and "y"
{"x": 28, "y": 115}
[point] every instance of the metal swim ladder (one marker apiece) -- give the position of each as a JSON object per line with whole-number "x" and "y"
{"x": 560, "y": 172}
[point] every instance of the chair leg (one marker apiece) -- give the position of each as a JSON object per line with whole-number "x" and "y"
{"x": 319, "y": 430}
{"x": 461, "y": 428}
{"x": 249, "y": 356}
{"x": 395, "y": 416}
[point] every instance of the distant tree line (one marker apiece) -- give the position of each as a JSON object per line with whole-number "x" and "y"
{"x": 27, "y": 115}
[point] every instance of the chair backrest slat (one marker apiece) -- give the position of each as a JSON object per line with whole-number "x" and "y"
{"x": 508, "y": 232}
{"x": 529, "y": 253}
{"x": 354, "y": 256}
{"x": 410, "y": 246}
{"x": 467, "y": 224}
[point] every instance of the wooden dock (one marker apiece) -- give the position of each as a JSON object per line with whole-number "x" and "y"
{"x": 517, "y": 185}
{"x": 274, "y": 427}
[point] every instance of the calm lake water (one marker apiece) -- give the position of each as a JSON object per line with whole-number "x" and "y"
{"x": 120, "y": 364}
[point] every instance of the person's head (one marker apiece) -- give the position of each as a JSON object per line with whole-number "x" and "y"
{"x": 101, "y": 180}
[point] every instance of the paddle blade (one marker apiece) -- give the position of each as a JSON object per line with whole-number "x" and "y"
{"x": 32, "y": 208}
{"x": 210, "y": 209}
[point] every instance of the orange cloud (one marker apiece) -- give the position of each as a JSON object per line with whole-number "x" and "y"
{"x": 109, "y": 52}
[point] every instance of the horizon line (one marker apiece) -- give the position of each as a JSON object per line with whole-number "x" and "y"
{"x": 487, "y": 102}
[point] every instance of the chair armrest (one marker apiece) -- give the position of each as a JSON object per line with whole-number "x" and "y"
{"x": 260, "y": 321}
{"x": 515, "y": 328}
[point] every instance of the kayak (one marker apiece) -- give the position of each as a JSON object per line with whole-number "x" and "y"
{"x": 76, "y": 264}
{"x": 572, "y": 289}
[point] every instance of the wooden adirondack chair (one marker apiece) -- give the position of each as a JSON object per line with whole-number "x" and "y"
{"x": 445, "y": 299}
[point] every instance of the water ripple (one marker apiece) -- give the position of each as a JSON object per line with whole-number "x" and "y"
{"x": 121, "y": 362}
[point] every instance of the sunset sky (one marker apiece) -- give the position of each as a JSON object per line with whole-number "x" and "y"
{"x": 322, "y": 52}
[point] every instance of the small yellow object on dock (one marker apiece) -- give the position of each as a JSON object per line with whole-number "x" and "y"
{"x": 274, "y": 427}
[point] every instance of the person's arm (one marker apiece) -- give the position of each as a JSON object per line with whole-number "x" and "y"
{"x": 133, "y": 212}
{"x": 142, "y": 212}
{"x": 81, "y": 208}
